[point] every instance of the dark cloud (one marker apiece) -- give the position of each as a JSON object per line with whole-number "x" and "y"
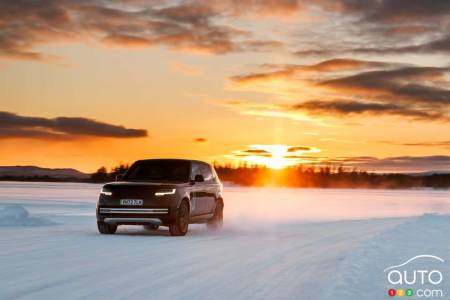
{"x": 190, "y": 13}
{"x": 16, "y": 126}
{"x": 184, "y": 26}
{"x": 382, "y": 27}
{"x": 340, "y": 64}
{"x": 404, "y": 84}
{"x": 395, "y": 164}
{"x": 252, "y": 152}
{"x": 371, "y": 88}
{"x": 435, "y": 46}
{"x": 298, "y": 148}
{"x": 409, "y": 29}
{"x": 441, "y": 45}
{"x": 440, "y": 144}
{"x": 382, "y": 11}
{"x": 332, "y": 65}
{"x": 200, "y": 140}
{"x": 397, "y": 11}
{"x": 294, "y": 153}
{"x": 25, "y": 24}
{"x": 342, "y": 108}
{"x": 429, "y": 144}
{"x": 194, "y": 25}
{"x": 15, "y": 132}
{"x": 255, "y": 151}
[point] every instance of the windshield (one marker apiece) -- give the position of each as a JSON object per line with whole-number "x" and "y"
{"x": 159, "y": 170}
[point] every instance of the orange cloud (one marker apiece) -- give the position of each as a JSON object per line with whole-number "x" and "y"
{"x": 288, "y": 71}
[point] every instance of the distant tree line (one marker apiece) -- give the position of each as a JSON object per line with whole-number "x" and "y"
{"x": 310, "y": 176}
{"x": 102, "y": 174}
{"x": 39, "y": 178}
{"x": 327, "y": 177}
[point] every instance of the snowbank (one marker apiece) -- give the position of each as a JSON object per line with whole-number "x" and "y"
{"x": 17, "y": 215}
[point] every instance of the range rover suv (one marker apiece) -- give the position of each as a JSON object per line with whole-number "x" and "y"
{"x": 162, "y": 192}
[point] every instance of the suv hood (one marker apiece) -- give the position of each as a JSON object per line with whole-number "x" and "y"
{"x": 139, "y": 190}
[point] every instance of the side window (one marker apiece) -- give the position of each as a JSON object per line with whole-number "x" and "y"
{"x": 195, "y": 170}
{"x": 206, "y": 172}
{"x": 216, "y": 177}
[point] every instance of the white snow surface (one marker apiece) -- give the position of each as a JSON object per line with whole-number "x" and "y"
{"x": 276, "y": 244}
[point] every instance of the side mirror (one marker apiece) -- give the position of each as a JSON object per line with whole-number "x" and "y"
{"x": 119, "y": 177}
{"x": 199, "y": 178}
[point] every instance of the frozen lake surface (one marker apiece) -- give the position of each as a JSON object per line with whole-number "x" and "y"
{"x": 276, "y": 244}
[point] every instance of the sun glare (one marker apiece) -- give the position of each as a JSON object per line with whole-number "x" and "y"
{"x": 276, "y": 156}
{"x": 277, "y": 160}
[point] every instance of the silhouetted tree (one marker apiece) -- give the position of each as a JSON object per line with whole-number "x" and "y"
{"x": 100, "y": 176}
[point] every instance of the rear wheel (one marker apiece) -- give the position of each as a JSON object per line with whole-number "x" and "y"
{"x": 180, "y": 226}
{"x": 216, "y": 222}
{"x": 105, "y": 228}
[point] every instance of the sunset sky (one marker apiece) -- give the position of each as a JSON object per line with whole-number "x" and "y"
{"x": 91, "y": 83}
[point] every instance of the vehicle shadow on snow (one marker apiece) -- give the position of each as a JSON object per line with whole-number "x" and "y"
{"x": 199, "y": 231}
{"x": 162, "y": 231}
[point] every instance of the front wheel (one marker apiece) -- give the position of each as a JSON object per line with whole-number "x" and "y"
{"x": 216, "y": 222}
{"x": 180, "y": 226}
{"x": 105, "y": 228}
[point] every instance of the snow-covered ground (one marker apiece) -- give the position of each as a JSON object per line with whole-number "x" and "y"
{"x": 276, "y": 244}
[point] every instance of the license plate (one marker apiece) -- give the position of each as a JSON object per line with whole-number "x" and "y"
{"x": 134, "y": 202}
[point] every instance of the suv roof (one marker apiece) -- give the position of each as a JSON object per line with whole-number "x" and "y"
{"x": 175, "y": 159}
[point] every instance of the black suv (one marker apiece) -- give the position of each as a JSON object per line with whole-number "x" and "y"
{"x": 162, "y": 192}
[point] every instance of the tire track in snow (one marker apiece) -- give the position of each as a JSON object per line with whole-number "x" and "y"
{"x": 361, "y": 274}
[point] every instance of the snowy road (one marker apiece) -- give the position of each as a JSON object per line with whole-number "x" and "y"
{"x": 297, "y": 244}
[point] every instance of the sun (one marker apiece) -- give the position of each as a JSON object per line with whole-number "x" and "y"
{"x": 272, "y": 156}
{"x": 278, "y": 159}
{"x": 276, "y": 163}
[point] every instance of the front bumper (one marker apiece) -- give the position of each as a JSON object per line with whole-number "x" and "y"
{"x": 140, "y": 211}
{"x": 133, "y": 221}
{"x": 134, "y": 216}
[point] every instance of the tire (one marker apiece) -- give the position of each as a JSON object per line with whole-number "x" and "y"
{"x": 151, "y": 227}
{"x": 216, "y": 222}
{"x": 104, "y": 228}
{"x": 180, "y": 226}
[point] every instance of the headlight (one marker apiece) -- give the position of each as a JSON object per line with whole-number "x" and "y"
{"x": 165, "y": 192}
{"x": 106, "y": 191}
